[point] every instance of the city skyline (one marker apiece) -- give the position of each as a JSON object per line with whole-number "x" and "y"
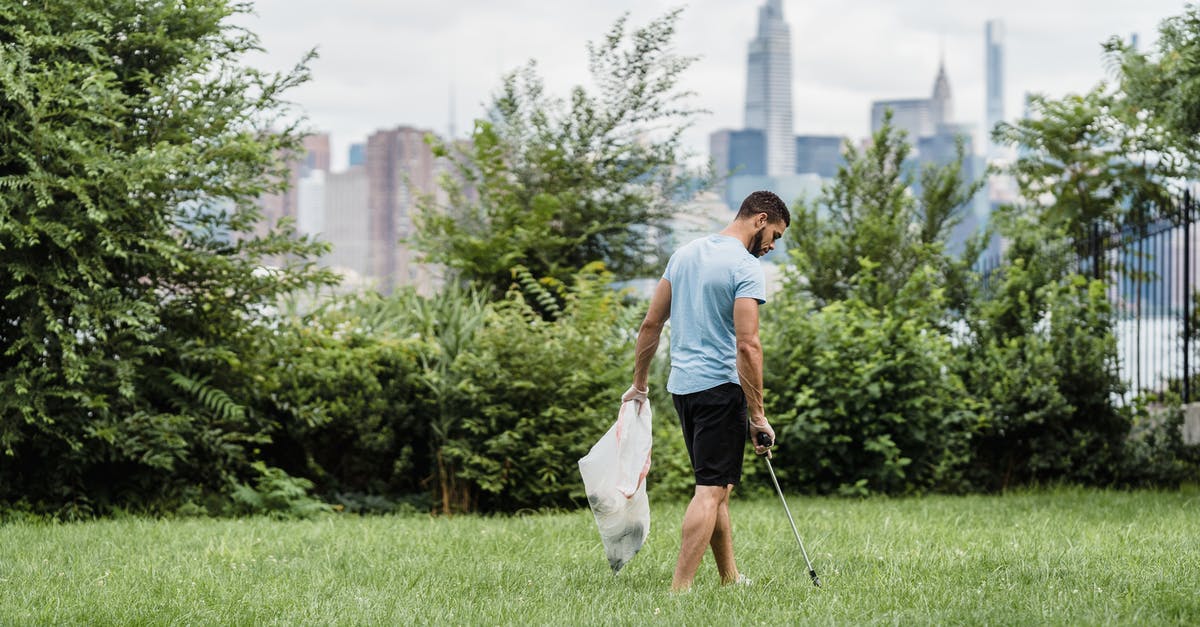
{"x": 403, "y": 63}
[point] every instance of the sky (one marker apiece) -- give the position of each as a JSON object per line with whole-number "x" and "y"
{"x": 388, "y": 63}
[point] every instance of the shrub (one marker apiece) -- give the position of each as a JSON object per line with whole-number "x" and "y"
{"x": 867, "y": 399}
{"x": 538, "y": 394}
{"x": 1041, "y": 355}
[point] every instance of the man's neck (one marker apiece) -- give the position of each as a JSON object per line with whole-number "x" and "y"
{"x": 741, "y": 230}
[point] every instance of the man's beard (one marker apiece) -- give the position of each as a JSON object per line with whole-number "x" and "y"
{"x": 756, "y": 244}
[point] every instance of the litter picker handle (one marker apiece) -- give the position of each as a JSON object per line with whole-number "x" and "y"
{"x": 765, "y": 440}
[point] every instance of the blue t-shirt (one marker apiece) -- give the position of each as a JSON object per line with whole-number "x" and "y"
{"x": 706, "y": 275}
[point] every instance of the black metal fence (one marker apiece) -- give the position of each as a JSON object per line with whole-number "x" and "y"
{"x": 1149, "y": 265}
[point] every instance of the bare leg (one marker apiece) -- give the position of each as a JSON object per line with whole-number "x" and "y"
{"x": 699, "y": 524}
{"x": 722, "y": 544}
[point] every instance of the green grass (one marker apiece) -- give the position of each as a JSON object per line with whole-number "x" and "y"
{"x": 1069, "y": 557}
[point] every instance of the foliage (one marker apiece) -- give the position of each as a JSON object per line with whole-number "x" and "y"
{"x": 860, "y": 365}
{"x": 1086, "y": 159}
{"x": 869, "y": 215}
{"x": 1163, "y": 88}
{"x": 1042, "y": 342}
{"x": 1118, "y": 153}
{"x": 350, "y": 398}
{"x": 145, "y": 363}
{"x": 1041, "y": 354}
{"x": 539, "y": 393}
{"x": 553, "y": 186}
{"x": 865, "y": 399}
{"x": 475, "y": 405}
{"x": 135, "y": 145}
{"x": 277, "y": 494}
{"x": 1155, "y": 453}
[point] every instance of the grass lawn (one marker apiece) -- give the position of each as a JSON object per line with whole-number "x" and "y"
{"x": 1066, "y": 556}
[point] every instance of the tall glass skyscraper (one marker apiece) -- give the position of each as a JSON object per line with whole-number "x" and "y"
{"x": 769, "y": 88}
{"x": 994, "y": 53}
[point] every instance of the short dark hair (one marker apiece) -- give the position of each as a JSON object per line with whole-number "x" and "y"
{"x": 765, "y": 202}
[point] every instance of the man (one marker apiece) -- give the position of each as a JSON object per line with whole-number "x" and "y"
{"x": 711, "y": 291}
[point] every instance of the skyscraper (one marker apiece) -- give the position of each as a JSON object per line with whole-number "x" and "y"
{"x": 400, "y": 166}
{"x": 912, "y": 115}
{"x": 819, "y": 154}
{"x": 347, "y": 222}
{"x": 285, "y": 204}
{"x": 738, "y": 152}
{"x": 919, "y": 117}
{"x": 358, "y": 154}
{"x": 769, "y": 88}
{"x": 994, "y": 55}
{"x": 941, "y": 106}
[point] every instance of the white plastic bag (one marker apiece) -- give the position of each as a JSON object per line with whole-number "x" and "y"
{"x": 614, "y": 477}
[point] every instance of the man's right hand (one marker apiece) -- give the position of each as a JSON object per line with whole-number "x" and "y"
{"x": 634, "y": 394}
{"x": 757, "y": 426}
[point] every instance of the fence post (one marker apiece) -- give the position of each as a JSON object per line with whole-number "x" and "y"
{"x": 1187, "y": 295}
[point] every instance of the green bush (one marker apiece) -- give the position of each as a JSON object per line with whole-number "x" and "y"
{"x": 348, "y": 397}
{"x": 1041, "y": 355}
{"x": 539, "y": 393}
{"x": 277, "y": 494}
{"x": 1154, "y": 454}
{"x": 864, "y": 399}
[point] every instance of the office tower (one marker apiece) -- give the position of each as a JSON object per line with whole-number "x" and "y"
{"x": 941, "y": 105}
{"x": 400, "y": 167}
{"x": 358, "y": 154}
{"x": 314, "y": 157}
{"x": 347, "y": 221}
{"x": 738, "y": 152}
{"x": 994, "y": 55}
{"x": 310, "y": 203}
{"x": 912, "y": 115}
{"x": 316, "y": 154}
{"x": 941, "y": 147}
{"x": 769, "y": 88}
{"x": 919, "y": 117}
{"x": 819, "y": 154}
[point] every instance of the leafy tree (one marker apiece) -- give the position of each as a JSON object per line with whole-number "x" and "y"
{"x": 861, "y": 366}
{"x": 1086, "y": 160}
{"x": 1120, "y": 153}
{"x": 135, "y": 144}
{"x": 869, "y": 215}
{"x": 1163, "y": 88}
{"x": 553, "y": 186}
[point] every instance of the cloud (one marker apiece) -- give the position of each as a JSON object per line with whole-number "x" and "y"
{"x": 385, "y": 63}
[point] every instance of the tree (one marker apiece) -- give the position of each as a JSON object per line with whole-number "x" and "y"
{"x": 1089, "y": 159}
{"x": 1121, "y": 152}
{"x": 135, "y": 144}
{"x": 1164, "y": 88}
{"x": 869, "y": 214}
{"x": 553, "y": 186}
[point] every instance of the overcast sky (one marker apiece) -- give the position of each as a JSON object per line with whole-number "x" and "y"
{"x": 386, "y": 63}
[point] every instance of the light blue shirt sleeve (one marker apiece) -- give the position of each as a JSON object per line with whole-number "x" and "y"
{"x": 749, "y": 281}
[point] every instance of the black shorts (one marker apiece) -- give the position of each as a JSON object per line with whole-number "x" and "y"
{"x": 714, "y": 429}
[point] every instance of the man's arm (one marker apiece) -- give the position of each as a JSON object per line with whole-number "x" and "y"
{"x": 750, "y": 368}
{"x": 648, "y": 335}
